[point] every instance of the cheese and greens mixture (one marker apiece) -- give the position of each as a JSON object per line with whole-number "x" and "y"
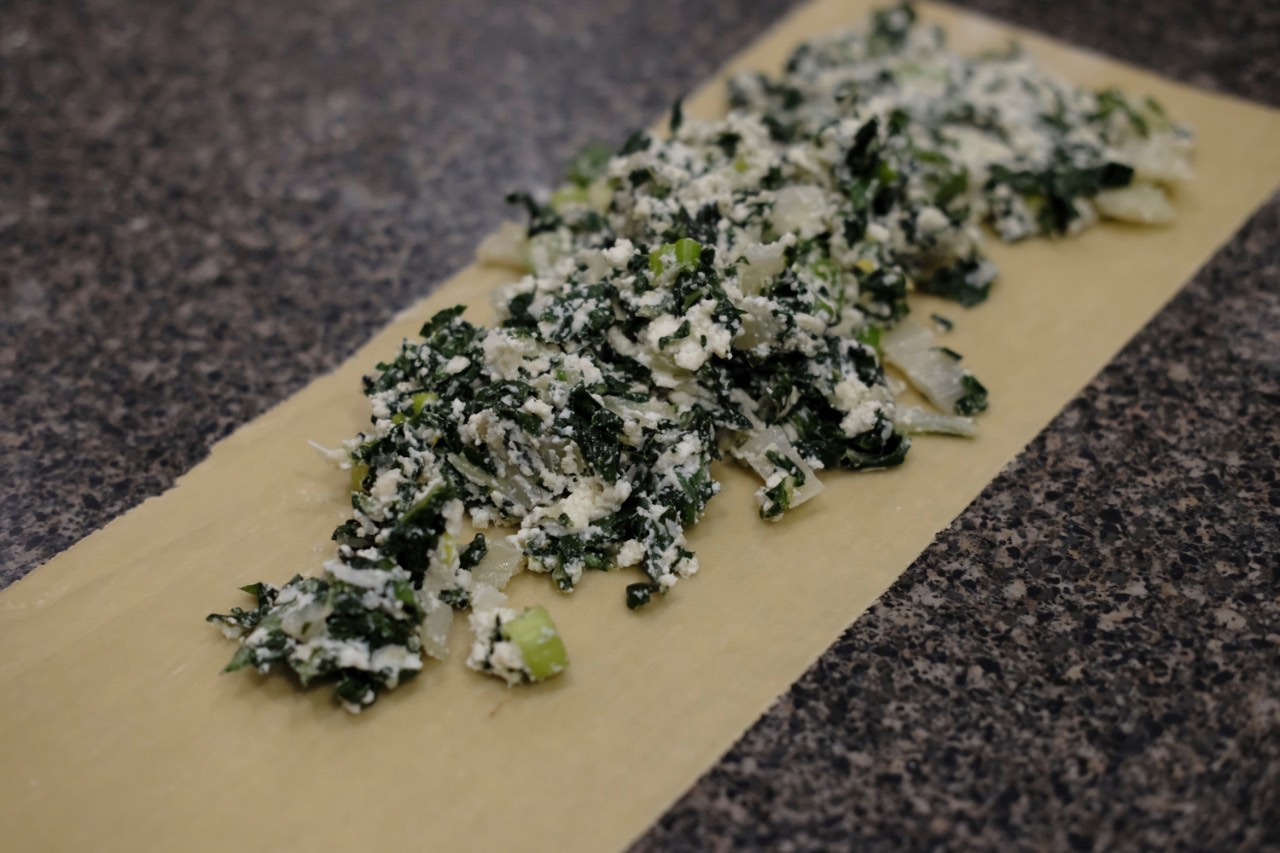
{"x": 736, "y": 289}
{"x": 516, "y": 646}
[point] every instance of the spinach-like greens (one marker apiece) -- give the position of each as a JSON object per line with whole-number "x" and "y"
{"x": 737, "y": 288}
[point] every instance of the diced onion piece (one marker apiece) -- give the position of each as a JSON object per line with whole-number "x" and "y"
{"x": 747, "y": 406}
{"x": 1145, "y": 204}
{"x": 755, "y": 452}
{"x": 305, "y": 618}
{"x": 514, "y": 490}
{"x": 443, "y": 574}
{"x": 763, "y": 263}
{"x": 759, "y": 326}
{"x": 936, "y": 375}
{"x": 1163, "y": 157}
{"x": 500, "y": 563}
{"x": 504, "y": 247}
{"x": 543, "y": 251}
{"x": 652, "y": 412}
{"x": 485, "y": 597}
{"x": 800, "y": 210}
{"x": 913, "y": 419}
{"x": 895, "y": 385}
{"x": 435, "y": 628}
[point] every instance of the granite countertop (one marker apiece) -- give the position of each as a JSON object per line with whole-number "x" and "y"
{"x": 203, "y": 206}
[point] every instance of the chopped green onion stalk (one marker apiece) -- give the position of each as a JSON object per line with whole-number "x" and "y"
{"x": 539, "y": 642}
{"x": 359, "y": 471}
{"x": 688, "y": 252}
{"x": 421, "y": 399}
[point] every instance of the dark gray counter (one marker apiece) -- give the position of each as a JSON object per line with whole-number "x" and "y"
{"x": 201, "y": 208}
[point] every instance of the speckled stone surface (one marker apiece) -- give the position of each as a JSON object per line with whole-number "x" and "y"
{"x": 205, "y": 205}
{"x": 201, "y": 208}
{"x": 1089, "y": 658}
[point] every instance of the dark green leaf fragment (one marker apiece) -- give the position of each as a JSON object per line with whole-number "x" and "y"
{"x": 679, "y": 334}
{"x": 597, "y": 431}
{"x": 474, "y": 553}
{"x": 889, "y": 28}
{"x": 356, "y": 686}
{"x": 441, "y": 320}
{"x": 1059, "y": 186}
{"x": 638, "y": 141}
{"x": 414, "y": 535}
{"x": 777, "y": 500}
{"x": 541, "y": 217}
{"x": 1111, "y": 101}
{"x": 351, "y": 620}
{"x": 518, "y": 308}
{"x": 265, "y": 594}
{"x": 864, "y": 154}
{"x": 458, "y": 599}
{"x": 975, "y": 396}
{"x": 639, "y": 594}
{"x": 242, "y": 658}
{"x": 960, "y": 282}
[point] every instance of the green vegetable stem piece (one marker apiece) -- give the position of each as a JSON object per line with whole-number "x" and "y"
{"x": 539, "y": 642}
{"x": 687, "y": 252}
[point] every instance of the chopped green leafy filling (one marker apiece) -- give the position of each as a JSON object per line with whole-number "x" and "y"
{"x": 739, "y": 286}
